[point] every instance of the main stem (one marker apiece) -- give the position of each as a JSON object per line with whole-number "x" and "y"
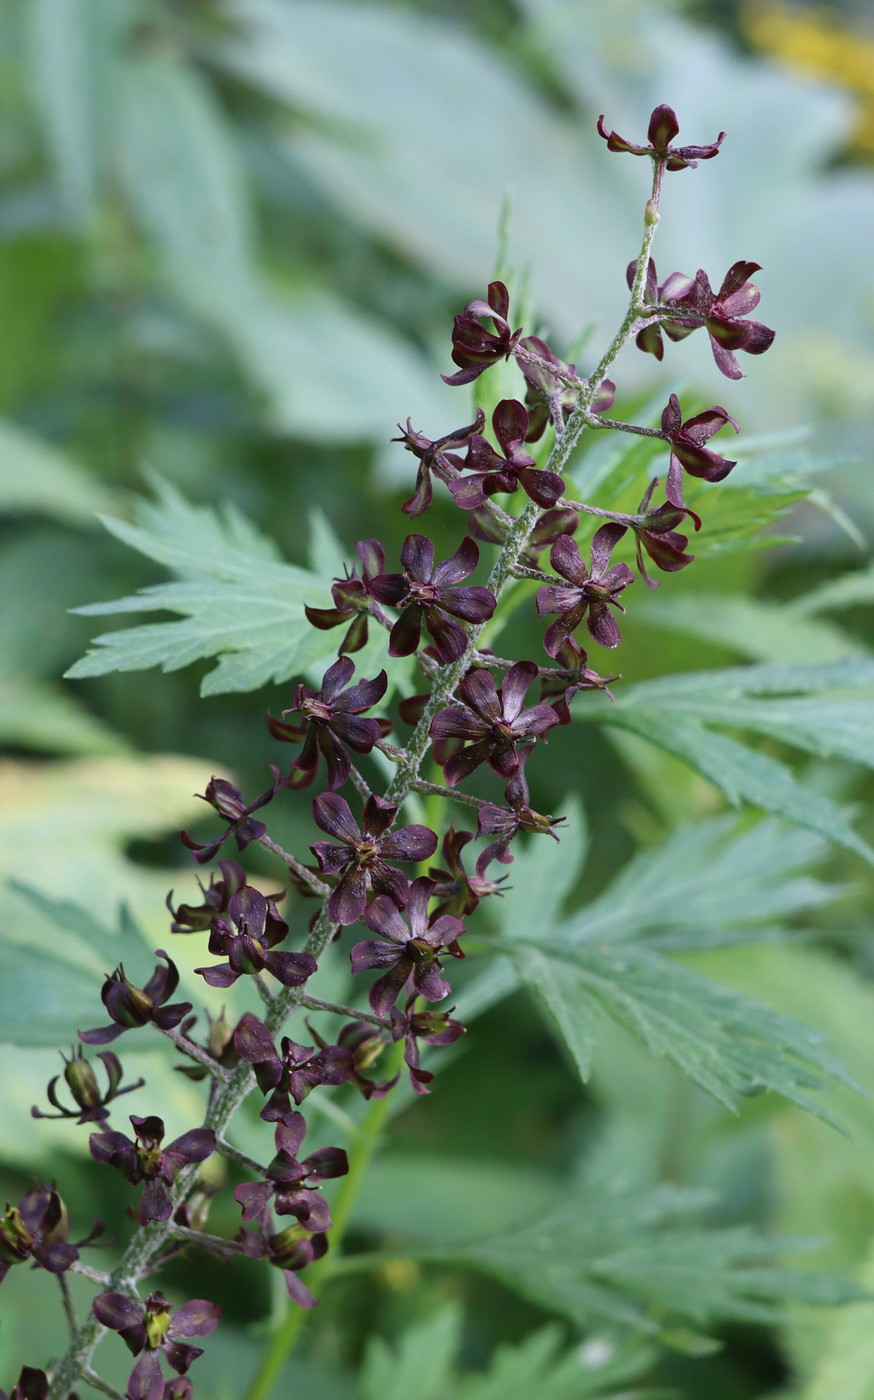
{"x": 147, "y": 1244}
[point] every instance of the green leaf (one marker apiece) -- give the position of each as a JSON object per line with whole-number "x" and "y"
{"x": 540, "y": 1367}
{"x": 701, "y": 888}
{"x": 71, "y": 44}
{"x": 678, "y": 713}
{"x": 543, "y": 874}
{"x": 45, "y": 1000}
{"x": 240, "y": 602}
{"x": 465, "y": 1196}
{"x": 756, "y": 629}
{"x": 296, "y": 346}
{"x": 730, "y": 1046}
{"x": 35, "y": 477}
{"x": 178, "y": 164}
{"x": 420, "y": 1365}
{"x": 33, "y": 716}
{"x": 706, "y": 888}
{"x": 618, "y": 1252}
{"x": 848, "y": 591}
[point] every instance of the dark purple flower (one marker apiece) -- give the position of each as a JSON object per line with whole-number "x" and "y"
{"x": 573, "y": 674}
{"x": 351, "y": 598}
{"x": 290, "y": 1250}
{"x": 362, "y": 855}
{"x": 229, "y": 802}
{"x": 152, "y": 1327}
{"x": 91, "y": 1104}
{"x": 191, "y": 918}
{"x": 459, "y": 892}
{"x": 294, "y": 1184}
{"x": 589, "y": 594}
{"x": 426, "y": 593}
{"x": 247, "y": 937}
{"x": 668, "y": 295}
{"x": 37, "y": 1229}
{"x": 330, "y": 720}
{"x": 291, "y": 1072}
{"x": 492, "y": 473}
{"x": 408, "y": 952}
{"x": 432, "y": 1028}
{"x": 518, "y": 815}
{"x": 656, "y": 533}
{"x": 473, "y": 347}
{"x": 144, "y": 1160}
{"x": 663, "y": 127}
{"x": 722, "y": 313}
{"x": 493, "y": 723}
{"x": 432, "y": 458}
{"x": 687, "y": 446}
{"x": 177, "y": 1388}
{"x": 31, "y": 1385}
{"x": 365, "y": 1042}
{"x": 131, "y": 1007}
{"x": 553, "y": 388}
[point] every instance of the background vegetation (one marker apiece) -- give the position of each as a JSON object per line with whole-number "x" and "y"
{"x": 232, "y": 238}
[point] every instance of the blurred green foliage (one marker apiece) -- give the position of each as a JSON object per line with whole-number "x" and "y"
{"x": 232, "y": 237}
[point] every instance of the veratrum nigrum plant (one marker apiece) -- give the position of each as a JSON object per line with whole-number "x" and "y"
{"x": 366, "y": 864}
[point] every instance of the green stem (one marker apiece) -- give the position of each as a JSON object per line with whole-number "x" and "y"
{"x": 286, "y": 1335}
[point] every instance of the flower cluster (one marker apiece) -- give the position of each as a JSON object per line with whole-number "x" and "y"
{"x": 371, "y": 871}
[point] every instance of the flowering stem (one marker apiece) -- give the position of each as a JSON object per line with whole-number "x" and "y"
{"x": 287, "y": 1334}
{"x": 338, "y": 1009}
{"x": 195, "y": 1052}
{"x": 66, "y": 1299}
{"x": 215, "y": 1241}
{"x": 438, "y": 790}
{"x": 100, "y": 1384}
{"x": 616, "y": 515}
{"x": 508, "y": 560}
{"x": 598, "y": 421}
{"x": 151, "y": 1241}
{"x": 316, "y": 885}
{"x": 234, "y": 1154}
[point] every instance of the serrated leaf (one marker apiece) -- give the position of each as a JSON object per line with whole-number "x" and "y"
{"x": 420, "y": 1364}
{"x": 701, "y": 888}
{"x": 674, "y": 713}
{"x": 241, "y": 603}
{"x": 704, "y": 888}
{"x": 617, "y": 1253}
{"x": 730, "y": 1046}
{"x": 744, "y": 775}
{"x": 540, "y": 1366}
{"x": 543, "y": 873}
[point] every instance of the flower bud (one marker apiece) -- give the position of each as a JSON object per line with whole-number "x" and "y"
{"x": 157, "y": 1321}
{"x": 82, "y": 1083}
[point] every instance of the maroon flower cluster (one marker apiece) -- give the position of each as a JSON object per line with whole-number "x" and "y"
{"x": 370, "y": 869}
